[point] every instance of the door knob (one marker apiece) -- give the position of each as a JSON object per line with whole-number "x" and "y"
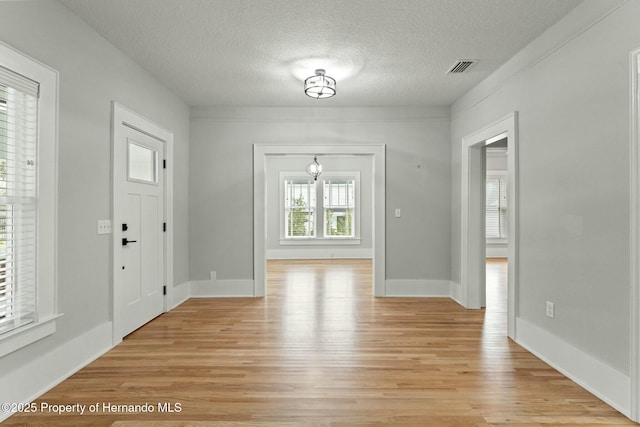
{"x": 125, "y": 241}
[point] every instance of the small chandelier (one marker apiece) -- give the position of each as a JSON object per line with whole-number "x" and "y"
{"x": 314, "y": 169}
{"x": 320, "y": 86}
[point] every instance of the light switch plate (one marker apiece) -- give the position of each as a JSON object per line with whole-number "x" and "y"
{"x": 104, "y": 226}
{"x": 398, "y": 213}
{"x": 550, "y": 309}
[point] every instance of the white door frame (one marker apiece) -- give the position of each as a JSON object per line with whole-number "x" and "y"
{"x": 473, "y": 244}
{"x": 634, "y": 339}
{"x": 123, "y": 117}
{"x": 260, "y": 154}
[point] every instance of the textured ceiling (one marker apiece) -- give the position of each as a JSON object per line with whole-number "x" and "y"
{"x": 258, "y": 52}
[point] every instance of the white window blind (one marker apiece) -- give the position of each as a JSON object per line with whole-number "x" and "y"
{"x": 300, "y": 205}
{"x": 18, "y": 199}
{"x": 339, "y": 206}
{"x": 496, "y": 208}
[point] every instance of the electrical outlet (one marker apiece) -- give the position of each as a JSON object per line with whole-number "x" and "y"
{"x": 550, "y": 310}
{"x": 104, "y": 226}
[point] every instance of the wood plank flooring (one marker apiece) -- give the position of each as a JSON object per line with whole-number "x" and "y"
{"x": 319, "y": 350}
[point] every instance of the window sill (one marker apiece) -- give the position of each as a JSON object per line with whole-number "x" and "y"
{"x": 28, "y": 334}
{"x": 320, "y": 241}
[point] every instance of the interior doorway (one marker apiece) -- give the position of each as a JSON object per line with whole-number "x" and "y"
{"x": 496, "y": 232}
{"x": 472, "y": 292}
{"x": 376, "y": 155}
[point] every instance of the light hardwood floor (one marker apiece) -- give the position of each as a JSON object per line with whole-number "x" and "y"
{"x": 320, "y": 350}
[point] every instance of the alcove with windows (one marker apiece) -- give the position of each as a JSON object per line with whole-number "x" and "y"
{"x": 323, "y": 208}
{"x": 330, "y": 217}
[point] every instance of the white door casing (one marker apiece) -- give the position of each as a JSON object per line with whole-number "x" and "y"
{"x": 142, "y": 256}
{"x": 473, "y": 244}
{"x": 634, "y": 291}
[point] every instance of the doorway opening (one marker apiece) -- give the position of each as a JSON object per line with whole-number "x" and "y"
{"x": 496, "y": 234}
{"x": 262, "y": 155}
{"x": 472, "y": 292}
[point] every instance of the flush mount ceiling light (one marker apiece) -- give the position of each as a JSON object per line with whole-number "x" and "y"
{"x": 320, "y": 86}
{"x": 314, "y": 169}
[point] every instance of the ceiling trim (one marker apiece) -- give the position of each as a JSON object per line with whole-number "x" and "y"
{"x": 322, "y": 114}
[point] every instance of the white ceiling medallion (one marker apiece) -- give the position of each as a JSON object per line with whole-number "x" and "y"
{"x": 320, "y": 85}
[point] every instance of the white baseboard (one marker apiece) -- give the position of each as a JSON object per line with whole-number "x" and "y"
{"x": 216, "y": 288}
{"x": 319, "y": 253}
{"x": 595, "y": 376}
{"x": 181, "y": 293}
{"x": 417, "y": 288}
{"x": 455, "y": 292}
{"x": 33, "y": 379}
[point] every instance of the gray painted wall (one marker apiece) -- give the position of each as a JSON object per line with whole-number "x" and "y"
{"x": 418, "y": 176}
{"x": 92, "y": 74}
{"x": 573, "y": 109}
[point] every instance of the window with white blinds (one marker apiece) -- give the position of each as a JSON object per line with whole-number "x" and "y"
{"x": 18, "y": 199}
{"x": 28, "y": 195}
{"x": 299, "y": 207}
{"x": 339, "y": 206}
{"x": 322, "y": 210}
{"x": 496, "y": 207}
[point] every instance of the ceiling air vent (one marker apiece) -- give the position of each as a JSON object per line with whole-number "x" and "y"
{"x": 461, "y": 66}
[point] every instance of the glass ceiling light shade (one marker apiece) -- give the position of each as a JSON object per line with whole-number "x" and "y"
{"x": 320, "y": 86}
{"x": 314, "y": 169}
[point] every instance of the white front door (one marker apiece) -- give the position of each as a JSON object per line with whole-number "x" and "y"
{"x": 138, "y": 231}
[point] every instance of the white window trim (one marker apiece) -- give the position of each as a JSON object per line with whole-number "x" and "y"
{"x": 355, "y": 176}
{"x": 319, "y": 238}
{"x": 291, "y": 177}
{"x": 46, "y": 274}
